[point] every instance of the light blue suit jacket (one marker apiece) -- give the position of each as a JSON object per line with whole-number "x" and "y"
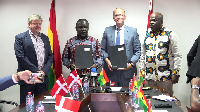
{"x": 132, "y": 44}
{"x": 6, "y": 82}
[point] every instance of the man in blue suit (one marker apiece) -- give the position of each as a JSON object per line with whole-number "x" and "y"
{"x": 11, "y": 80}
{"x": 33, "y": 52}
{"x": 130, "y": 38}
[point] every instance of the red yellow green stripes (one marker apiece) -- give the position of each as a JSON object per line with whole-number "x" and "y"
{"x": 56, "y": 68}
{"x": 103, "y": 77}
{"x": 134, "y": 83}
{"x": 141, "y": 79}
{"x": 142, "y": 100}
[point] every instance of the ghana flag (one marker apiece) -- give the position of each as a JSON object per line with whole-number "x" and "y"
{"x": 103, "y": 77}
{"x": 134, "y": 83}
{"x": 142, "y": 100}
{"x": 56, "y": 68}
{"x": 141, "y": 79}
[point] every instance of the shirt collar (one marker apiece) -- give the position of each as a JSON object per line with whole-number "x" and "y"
{"x": 122, "y": 28}
{"x": 161, "y": 30}
{"x": 31, "y": 33}
{"x": 77, "y": 38}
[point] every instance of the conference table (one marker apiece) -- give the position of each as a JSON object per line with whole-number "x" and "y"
{"x": 116, "y": 101}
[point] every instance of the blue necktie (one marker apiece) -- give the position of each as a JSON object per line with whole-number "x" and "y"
{"x": 118, "y": 37}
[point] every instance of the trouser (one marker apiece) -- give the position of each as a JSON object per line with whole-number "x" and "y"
{"x": 35, "y": 89}
{"x": 119, "y": 79}
{"x": 166, "y": 85}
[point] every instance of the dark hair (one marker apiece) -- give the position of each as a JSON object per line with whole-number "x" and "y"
{"x": 81, "y": 20}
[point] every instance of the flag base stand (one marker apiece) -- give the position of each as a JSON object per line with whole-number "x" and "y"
{"x": 136, "y": 106}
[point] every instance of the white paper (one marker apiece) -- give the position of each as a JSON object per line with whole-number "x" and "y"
{"x": 93, "y": 74}
{"x": 164, "y": 98}
{"x": 121, "y": 49}
{"x": 51, "y": 100}
{"x": 115, "y": 88}
{"x": 48, "y": 97}
{"x": 86, "y": 49}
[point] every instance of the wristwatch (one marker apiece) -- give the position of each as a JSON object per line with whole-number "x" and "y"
{"x": 132, "y": 65}
{"x": 195, "y": 87}
{"x": 18, "y": 78}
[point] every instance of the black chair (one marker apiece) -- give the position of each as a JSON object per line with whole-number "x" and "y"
{"x": 8, "y": 102}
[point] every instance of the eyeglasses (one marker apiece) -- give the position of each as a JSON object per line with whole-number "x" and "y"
{"x": 118, "y": 15}
{"x": 37, "y": 24}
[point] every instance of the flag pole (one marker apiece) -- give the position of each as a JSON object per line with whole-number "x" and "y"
{"x": 84, "y": 94}
{"x": 139, "y": 96}
{"x": 54, "y": 9}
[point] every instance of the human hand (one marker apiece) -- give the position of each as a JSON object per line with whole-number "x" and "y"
{"x": 42, "y": 72}
{"x": 73, "y": 67}
{"x": 24, "y": 75}
{"x": 175, "y": 79}
{"x": 94, "y": 66}
{"x": 195, "y": 81}
{"x": 109, "y": 64}
{"x": 128, "y": 67}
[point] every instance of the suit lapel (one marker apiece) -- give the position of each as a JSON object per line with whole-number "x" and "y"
{"x": 113, "y": 35}
{"x": 29, "y": 40}
{"x": 126, "y": 34}
{"x": 45, "y": 46}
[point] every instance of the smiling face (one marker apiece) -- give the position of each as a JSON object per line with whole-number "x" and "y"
{"x": 82, "y": 27}
{"x": 119, "y": 17}
{"x": 156, "y": 22}
{"x": 35, "y": 26}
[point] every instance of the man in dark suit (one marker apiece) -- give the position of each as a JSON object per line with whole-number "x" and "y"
{"x": 33, "y": 52}
{"x": 193, "y": 60}
{"x": 130, "y": 38}
{"x": 11, "y": 80}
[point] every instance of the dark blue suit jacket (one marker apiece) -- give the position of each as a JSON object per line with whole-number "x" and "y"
{"x": 193, "y": 59}
{"x": 132, "y": 43}
{"x": 6, "y": 82}
{"x": 26, "y": 54}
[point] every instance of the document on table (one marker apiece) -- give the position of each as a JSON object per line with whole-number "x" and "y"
{"x": 116, "y": 88}
{"x": 164, "y": 98}
{"x": 51, "y": 100}
{"x": 48, "y": 100}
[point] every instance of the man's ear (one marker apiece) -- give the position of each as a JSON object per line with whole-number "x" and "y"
{"x": 29, "y": 25}
{"x": 162, "y": 22}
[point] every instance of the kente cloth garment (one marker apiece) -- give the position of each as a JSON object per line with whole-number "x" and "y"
{"x": 68, "y": 56}
{"x": 160, "y": 56}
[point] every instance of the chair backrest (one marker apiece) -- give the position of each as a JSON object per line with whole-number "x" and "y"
{"x": 8, "y": 102}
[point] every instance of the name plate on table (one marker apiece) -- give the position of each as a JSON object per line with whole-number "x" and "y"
{"x": 117, "y": 55}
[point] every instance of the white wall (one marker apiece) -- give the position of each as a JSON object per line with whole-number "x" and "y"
{"x": 179, "y": 15}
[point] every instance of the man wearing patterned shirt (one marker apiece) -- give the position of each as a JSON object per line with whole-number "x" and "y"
{"x": 82, "y": 38}
{"x": 160, "y": 56}
{"x": 33, "y": 52}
